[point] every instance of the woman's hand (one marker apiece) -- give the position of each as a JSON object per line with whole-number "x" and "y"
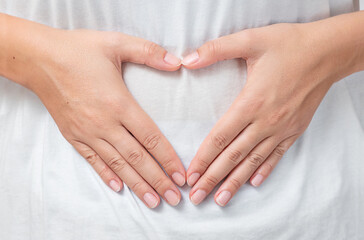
{"x": 290, "y": 69}
{"x": 77, "y": 75}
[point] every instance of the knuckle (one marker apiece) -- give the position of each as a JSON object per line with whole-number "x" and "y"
{"x": 211, "y": 181}
{"x": 112, "y": 40}
{"x": 104, "y": 172}
{"x": 116, "y": 163}
{"x": 235, "y": 156}
{"x": 157, "y": 183}
{"x": 235, "y": 183}
{"x": 255, "y": 160}
{"x": 135, "y": 158}
{"x": 204, "y": 164}
{"x": 115, "y": 103}
{"x": 152, "y": 141}
{"x": 300, "y": 128}
{"x": 137, "y": 187}
{"x": 219, "y": 141}
{"x": 278, "y": 116}
{"x": 279, "y": 151}
{"x": 268, "y": 167}
{"x": 213, "y": 47}
{"x": 150, "y": 48}
{"x": 92, "y": 158}
{"x": 167, "y": 163}
{"x": 95, "y": 121}
{"x": 250, "y": 103}
{"x": 67, "y": 133}
{"x": 248, "y": 36}
{"x": 274, "y": 120}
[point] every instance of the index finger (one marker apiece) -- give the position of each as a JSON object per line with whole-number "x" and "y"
{"x": 149, "y": 135}
{"x": 221, "y": 135}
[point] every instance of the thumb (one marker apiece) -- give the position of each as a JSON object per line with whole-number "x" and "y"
{"x": 227, "y": 47}
{"x": 141, "y": 51}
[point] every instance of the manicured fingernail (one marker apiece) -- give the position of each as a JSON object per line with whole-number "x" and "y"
{"x": 179, "y": 179}
{"x": 172, "y": 60}
{"x": 191, "y": 58}
{"x": 257, "y": 180}
{"x": 198, "y": 196}
{"x": 171, "y": 197}
{"x": 115, "y": 185}
{"x": 192, "y": 179}
{"x": 151, "y": 200}
{"x": 223, "y": 198}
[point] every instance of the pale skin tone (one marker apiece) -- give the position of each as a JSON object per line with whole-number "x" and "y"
{"x": 290, "y": 69}
{"x": 77, "y": 75}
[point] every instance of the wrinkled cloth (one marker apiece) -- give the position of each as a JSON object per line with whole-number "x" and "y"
{"x": 48, "y": 191}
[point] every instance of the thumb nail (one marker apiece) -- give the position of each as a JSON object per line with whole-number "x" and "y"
{"x": 172, "y": 60}
{"x": 190, "y": 59}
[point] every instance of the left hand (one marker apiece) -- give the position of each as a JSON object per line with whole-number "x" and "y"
{"x": 289, "y": 73}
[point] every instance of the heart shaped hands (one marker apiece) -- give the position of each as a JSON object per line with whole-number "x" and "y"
{"x": 78, "y": 73}
{"x": 271, "y": 112}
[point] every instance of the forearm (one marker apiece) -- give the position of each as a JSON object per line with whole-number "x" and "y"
{"x": 23, "y": 49}
{"x": 340, "y": 40}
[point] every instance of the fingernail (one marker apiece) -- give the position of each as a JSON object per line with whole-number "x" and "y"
{"x": 115, "y": 185}
{"x": 191, "y": 58}
{"x": 223, "y": 198}
{"x": 172, "y": 60}
{"x": 192, "y": 179}
{"x": 179, "y": 179}
{"x": 151, "y": 200}
{"x": 198, "y": 196}
{"x": 171, "y": 197}
{"x": 257, "y": 180}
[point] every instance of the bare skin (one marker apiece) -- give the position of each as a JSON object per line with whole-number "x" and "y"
{"x": 77, "y": 75}
{"x": 290, "y": 69}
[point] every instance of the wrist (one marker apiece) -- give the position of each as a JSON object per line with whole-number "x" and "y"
{"x": 337, "y": 45}
{"x": 24, "y": 48}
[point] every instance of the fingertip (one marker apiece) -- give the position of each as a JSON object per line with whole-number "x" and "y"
{"x": 201, "y": 63}
{"x": 167, "y": 67}
{"x": 172, "y": 60}
{"x": 179, "y": 179}
{"x": 193, "y": 66}
{"x": 191, "y": 59}
{"x": 257, "y": 180}
{"x": 151, "y": 200}
{"x": 223, "y": 198}
{"x": 198, "y": 196}
{"x": 170, "y": 63}
{"x": 193, "y": 178}
{"x": 115, "y": 185}
{"x": 172, "y": 197}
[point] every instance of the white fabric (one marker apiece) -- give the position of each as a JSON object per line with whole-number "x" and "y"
{"x": 48, "y": 191}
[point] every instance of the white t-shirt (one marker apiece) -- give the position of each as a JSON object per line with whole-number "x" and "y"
{"x": 48, "y": 191}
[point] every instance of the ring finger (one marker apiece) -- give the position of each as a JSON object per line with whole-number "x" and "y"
{"x": 139, "y": 159}
{"x": 129, "y": 176}
{"x": 101, "y": 168}
{"x": 226, "y": 162}
{"x": 269, "y": 164}
{"x": 245, "y": 170}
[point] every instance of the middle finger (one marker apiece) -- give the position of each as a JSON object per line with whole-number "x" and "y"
{"x": 133, "y": 152}
{"x": 223, "y": 133}
{"x": 226, "y": 162}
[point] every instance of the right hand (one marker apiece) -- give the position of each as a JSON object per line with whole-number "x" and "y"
{"x": 79, "y": 80}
